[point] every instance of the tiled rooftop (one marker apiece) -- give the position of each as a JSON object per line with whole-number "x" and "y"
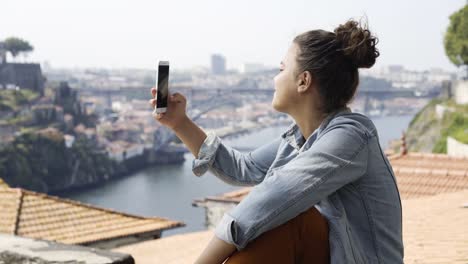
{"x": 423, "y": 174}
{"x": 183, "y": 248}
{"x": 34, "y": 215}
{"x": 3, "y": 184}
{"x": 434, "y": 231}
{"x": 234, "y": 196}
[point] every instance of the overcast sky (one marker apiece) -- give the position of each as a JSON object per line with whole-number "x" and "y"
{"x": 136, "y": 33}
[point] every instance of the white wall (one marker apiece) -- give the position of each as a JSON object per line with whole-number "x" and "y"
{"x": 456, "y": 148}
{"x": 460, "y": 92}
{"x": 214, "y": 212}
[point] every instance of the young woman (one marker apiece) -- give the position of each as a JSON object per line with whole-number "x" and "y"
{"x": 324, "y": 190}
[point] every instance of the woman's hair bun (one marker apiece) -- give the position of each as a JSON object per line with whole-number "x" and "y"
{"x": 357, "y": 44}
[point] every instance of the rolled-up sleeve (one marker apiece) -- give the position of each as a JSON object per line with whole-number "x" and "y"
{"x": 206, "y": 154}
{"x": 231, "y": 165}
{"x": 337, "y": 158}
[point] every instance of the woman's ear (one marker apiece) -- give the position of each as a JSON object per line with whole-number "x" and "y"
{"x": 304, "y": 82}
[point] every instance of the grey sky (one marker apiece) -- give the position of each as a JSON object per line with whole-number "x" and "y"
{"x": 135, "y": 33}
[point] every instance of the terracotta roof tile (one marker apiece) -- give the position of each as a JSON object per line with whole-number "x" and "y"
{"x": 9, "y": 202}
{"x": 175, "y": 249}
{"x": 234, "y": 196}
{"x": 41, "y": 216}
{"x": 421, "y": 174}
{"x": 3, "y": 184}
{"x": 435, "y": 229}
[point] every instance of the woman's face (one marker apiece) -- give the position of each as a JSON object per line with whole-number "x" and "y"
{"x": 286, "y": 95}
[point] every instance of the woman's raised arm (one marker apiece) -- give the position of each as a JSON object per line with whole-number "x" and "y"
{"x": 228, "y": 164}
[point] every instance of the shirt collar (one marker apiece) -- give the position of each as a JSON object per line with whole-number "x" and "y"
{"x": 295, "y": 138}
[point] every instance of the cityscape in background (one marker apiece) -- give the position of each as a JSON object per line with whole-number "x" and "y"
{"x": 227, "y": 101}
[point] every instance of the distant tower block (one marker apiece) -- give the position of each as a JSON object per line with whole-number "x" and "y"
{"x": 218, "y": 64}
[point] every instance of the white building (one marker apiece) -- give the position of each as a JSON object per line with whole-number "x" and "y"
{"x": 460, "y": 92}
{"x": 253, "y": 67}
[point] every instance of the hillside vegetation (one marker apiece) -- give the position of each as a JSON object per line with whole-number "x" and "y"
{"x": 427, "y": 133}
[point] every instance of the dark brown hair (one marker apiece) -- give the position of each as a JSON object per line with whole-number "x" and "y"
{"x": 333, "y": 59}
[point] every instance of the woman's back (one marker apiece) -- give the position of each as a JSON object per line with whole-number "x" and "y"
{"x": 368, "y": 210}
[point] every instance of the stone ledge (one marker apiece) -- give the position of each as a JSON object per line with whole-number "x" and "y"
{"x": 14, "y": 249}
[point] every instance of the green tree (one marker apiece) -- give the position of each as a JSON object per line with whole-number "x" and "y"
{"x": 456, "y": 38}
{"x": 16, "y": 46}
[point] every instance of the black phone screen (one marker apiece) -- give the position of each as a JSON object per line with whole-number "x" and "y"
{"x": 163, "y": 86}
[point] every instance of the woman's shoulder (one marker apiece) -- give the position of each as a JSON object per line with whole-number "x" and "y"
{"x": 358, "y": 122}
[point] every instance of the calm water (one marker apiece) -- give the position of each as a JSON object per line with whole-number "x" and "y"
{"x": 169, "y": 190}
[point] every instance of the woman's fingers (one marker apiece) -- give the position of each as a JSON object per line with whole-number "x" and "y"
{"x": 159, "y": 116}
{"x": 152, "y": 102}
{"x": 153, "y": 92}
{"x": 177, "y": 97}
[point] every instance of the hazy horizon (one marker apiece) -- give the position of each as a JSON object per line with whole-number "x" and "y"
{"x": 135, "y": 34}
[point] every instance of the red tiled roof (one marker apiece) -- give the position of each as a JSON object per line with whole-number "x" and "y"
{"x": 3, "y": 184}
{"x": 423, "y": 174}
{"x": 435, "y": 229}
{"x": 182, "y": 248}
{"x": 35, "y": 215}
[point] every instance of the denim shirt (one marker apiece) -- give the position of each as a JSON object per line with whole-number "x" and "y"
{"x": 340, "y": 169}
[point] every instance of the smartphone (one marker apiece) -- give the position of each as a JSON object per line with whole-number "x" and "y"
{"x": 163, "y": 87}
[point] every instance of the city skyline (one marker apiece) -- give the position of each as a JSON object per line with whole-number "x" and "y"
{"x": 124, "y": 34}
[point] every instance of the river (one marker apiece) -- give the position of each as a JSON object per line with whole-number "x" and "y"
{"x": 169, "y": 190}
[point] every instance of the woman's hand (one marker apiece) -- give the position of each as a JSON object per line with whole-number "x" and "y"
{"x": 176, "y": 110}
{"x": 176, "y": 119}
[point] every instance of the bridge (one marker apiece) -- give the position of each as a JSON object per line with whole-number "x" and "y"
{"x": 144, "y": 92}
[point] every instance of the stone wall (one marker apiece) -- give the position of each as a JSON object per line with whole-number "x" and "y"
{"x": 14, "y": 249}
